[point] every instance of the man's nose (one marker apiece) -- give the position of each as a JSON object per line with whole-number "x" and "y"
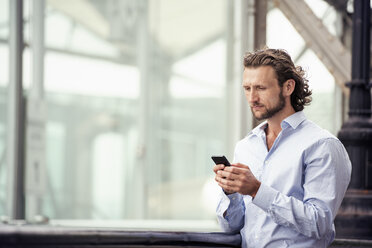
{"x": 252, "y": 96}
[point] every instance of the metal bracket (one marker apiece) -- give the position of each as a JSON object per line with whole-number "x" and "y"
{"x": 358, "y": 83}
{"x": 326, "y": 46}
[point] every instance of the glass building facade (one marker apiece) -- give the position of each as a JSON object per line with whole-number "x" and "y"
{"x": 134, "y": 98}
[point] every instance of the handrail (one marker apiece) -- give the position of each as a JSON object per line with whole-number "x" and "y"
{"x": 48, "y": 236}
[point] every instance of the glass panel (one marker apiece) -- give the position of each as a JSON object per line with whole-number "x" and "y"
{"x": 321, "y": 82}
{"x": 4, "y": 80}
{"x": 133, "y": 92}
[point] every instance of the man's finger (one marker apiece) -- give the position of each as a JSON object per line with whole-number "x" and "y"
{"x": 236, "y": 170}
{"x": 226, "y": 182}
{"x": 218, "y": 167}
{"x": 239, "y": 165}
{"x": 227, "y": 175}
{"x": 226, "y": 188}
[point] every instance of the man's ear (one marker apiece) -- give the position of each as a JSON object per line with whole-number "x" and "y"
{"x": 288, "y": 87}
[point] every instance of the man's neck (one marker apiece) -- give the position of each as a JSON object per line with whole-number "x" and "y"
{"x": 274, "y": 123}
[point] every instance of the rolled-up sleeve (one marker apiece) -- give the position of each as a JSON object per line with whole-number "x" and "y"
{"x": 326, "y": 177}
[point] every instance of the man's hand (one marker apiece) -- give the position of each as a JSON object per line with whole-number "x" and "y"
{"x": 237, "y": 178}
{"x": 216, "y": 169}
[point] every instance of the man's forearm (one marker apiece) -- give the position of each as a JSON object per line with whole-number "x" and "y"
{"x": 311, "y": 218}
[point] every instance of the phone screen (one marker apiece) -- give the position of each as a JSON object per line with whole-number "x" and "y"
{"x": 221, "y": 160}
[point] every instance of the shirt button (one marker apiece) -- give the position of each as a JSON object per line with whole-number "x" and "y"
{"x": 234, "y": 198}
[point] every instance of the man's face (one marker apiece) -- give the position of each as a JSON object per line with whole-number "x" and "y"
{"x": 263, "y": 92}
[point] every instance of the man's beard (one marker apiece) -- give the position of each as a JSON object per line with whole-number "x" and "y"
{"x": 272, "y": 111}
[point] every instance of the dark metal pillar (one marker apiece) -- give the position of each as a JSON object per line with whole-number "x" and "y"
{"x": 354, "y": 219}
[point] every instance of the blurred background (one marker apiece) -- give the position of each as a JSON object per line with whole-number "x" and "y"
{"x": 125, "y": 101}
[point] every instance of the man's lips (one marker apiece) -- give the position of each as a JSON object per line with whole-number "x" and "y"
{"x": 256, "y": 107}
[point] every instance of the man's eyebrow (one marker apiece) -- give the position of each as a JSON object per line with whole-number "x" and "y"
{"x": 245, "y": 84}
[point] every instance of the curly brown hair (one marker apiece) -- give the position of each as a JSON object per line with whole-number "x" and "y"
{"x": 285, "y": 69}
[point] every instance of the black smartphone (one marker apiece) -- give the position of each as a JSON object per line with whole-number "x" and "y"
{"x": 221, "y": 160}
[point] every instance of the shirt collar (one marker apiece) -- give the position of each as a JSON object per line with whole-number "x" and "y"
{"x": 260, "y": 128}
{"x": 293, "y": 120}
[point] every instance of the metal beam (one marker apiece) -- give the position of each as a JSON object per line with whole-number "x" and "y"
{"x": 140, "y": 198}
{"x": 15, "y": 142}
{"x": 253, "y": 38}
{"x": 260, "y": 24}
{"x": 89, "y": 18}
{"x": 231, "y": 134}
{"x": 339, "y": 5}
{"x": 326, "y": 46}
{"x": 128, "y": 59}
{"x": 35, "y": 125}
{"x": 38, "y": 48}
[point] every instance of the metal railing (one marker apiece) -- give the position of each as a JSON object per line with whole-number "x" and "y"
{"x": 47, "y": 236}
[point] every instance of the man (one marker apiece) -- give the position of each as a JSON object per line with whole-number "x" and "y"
{"x": 289, "y": 176}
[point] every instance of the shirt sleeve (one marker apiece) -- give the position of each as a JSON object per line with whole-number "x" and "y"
{"x": 327, "y": 171}
{"x": 230, "y": 212}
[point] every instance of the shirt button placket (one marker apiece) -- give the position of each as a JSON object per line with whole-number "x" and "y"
{"x": 259, "y": 173}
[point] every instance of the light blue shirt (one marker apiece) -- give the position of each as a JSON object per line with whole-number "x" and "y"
{"x": 303, "y": 178}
